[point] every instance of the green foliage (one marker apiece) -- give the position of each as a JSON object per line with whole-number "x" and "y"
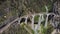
{"x": 43, "y": 9}
{"x": 28, "y": 28}
{"x": 43, "y": 30}
{"x": 36, "y": 18}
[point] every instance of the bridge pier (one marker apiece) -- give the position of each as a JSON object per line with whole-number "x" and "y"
{"x": 19, "y": 20}
{"x": 32, "y": 24}
{"x": 46, "y": 22}
{"x": 26, "y": 19}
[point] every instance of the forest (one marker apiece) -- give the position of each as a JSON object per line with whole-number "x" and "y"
{"x": 11, "y": 10}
